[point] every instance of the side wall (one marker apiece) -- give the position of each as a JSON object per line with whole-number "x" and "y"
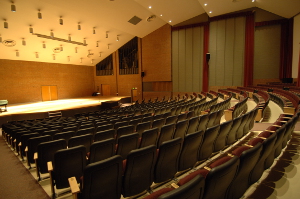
{"x": 21, "y": 81}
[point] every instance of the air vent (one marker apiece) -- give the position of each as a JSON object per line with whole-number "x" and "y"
{"x": 9, "y": 43}
{"x": 135, "y": 20}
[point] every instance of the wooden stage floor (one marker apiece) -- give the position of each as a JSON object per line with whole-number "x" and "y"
{"x": 61, "y": 104}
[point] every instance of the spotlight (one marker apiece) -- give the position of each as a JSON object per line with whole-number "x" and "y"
{"x": 40, "y": 14}
{"x": 53, "y": 56}
{"x": 61, "y": 48}
{"x": 106, "y": 34}
{"x": 84, "y": 41}
{"x": 0, "y": 39}
{"x": 99, "y": 54}
{"x": 117, "y": 37}
{"x": 36, "y": 55}
{"x": 80, "y": 60}
{"x": 94, "y": 31}
{"x": 97, "y": 44}
{"x": 5, "y": 24}
{"x": 69, "y": 37}
{"x": 76, "y": 50}
{"x": 107, "y": 46}
{"x": 17, "y": 53}
{"x": 30, "y": 29}
{"x": 23, "y": 42}
{"x": 44, "y": 45}
{"x": 51, "y": 33}
{"x": 61, "y": 21}
{"x": 13, "y": 7}
{"x": 92, "y": 61}
{"x": 79, "y": 26}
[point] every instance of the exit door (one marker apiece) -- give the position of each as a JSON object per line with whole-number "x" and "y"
{"x": 49, "y": 93}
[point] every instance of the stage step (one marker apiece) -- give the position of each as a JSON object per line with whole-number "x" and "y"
{"x": 52, "y": 114}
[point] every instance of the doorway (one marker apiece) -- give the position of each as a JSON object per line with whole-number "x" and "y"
{"x": 105, "y": 89}
{"x": 49, "y": 93}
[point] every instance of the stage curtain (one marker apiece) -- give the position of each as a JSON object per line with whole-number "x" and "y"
{"x": 249, "y": 50}
{"x": 205, "y": 62}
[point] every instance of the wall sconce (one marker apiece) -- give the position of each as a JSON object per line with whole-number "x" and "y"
{"x": 39, "y": 14}
{"x": 13, "y": 7}
{"x": 5, "y": 24}
{"x": 23, "y": 42}
{"x": 30, "y": 29}
{"x": 79, "y": 26}
{"x": 61, "y": 21}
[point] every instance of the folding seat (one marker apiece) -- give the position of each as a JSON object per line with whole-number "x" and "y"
{"x": 240, "y": 129}
{"x": 267, "y": 147}
{"x": 248, "y": 158}
{"x": 86, "y": 125}
{"x": 193, "y": 125}
{"x": 67, "y": 163}
{"x": 167, "y": 160}
{"x": 181, "y": 117}
{"x": 103, "y": 135}
{"x": 135, "y": 122}
{"x": 51, "y": 132}
{"x": 17, "y": 139}
{"x": 141, "y": 127}
{"x": 104, "y": 127}
{"x": 231, "y": 138}
{"x": 218, "y": 176}
{"x": 31, "y": 147}
{"x": 85, "y": 131}
{"x": 102, "y": 123}
{"x": 211, "y": 120}
{"x": 207, "y": 147}
{"x": 217, "y": 121}
{"x": 64, "y": 135}
{"x": 85, "y": 140}
{"x": 290, "y": 125}
{"x": 203, "y": 120}
{"x": 126, "y": 143}
{"x": 147, "y": 119}
{"x": 120, "y": 124}
{"x": 149, "y": 137}
{"x": 138, "y": 172}
{"x": 166, "y": 133}
{"x": 189, "y": 153}
{"x": 158, "y": 123}
{"x": 45, "y": 153}
{"x": 101, "y": 150}
{"x": 125, "y": 130}
{"x": 180, "y": 129}
{"x": 276, "y": 149}
{"x": 166, "y": 114}
{"x": 249, "y": 120}
{"x": 156, "y": 117}
{"x": 191, "y": 190}
{"x": 222, "y": 136}
{"x": 190, "y": 114}
{"x": 102, "y": 179}
{"x": 23, "y": 143}
{"x": 173, "y": 110}
{"x": 171, "y": 119}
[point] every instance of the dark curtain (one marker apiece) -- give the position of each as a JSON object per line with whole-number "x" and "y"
{"x": 205, "y": 61}
{"x": 128, "y": 57}
{"x": 249, "y": 50}
{"x": 105, "y": 67}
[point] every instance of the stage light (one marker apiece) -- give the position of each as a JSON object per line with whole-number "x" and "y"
{"x": 61, "y": 21}
{"x": 40, "y": 15}
{"x": 30, "y": 29}
{"x": 79, "y": 26}
{"x": 36, "y": 55}
{"x": 94, "y": 31}
{"x": 44, "y": 45}
{"x": 69, "y": 37}
{"x": 23, "y": 42}
{"x": 13, "y": 7}
{"x": 5, "y": 24}
{"x": 17, "y": 53}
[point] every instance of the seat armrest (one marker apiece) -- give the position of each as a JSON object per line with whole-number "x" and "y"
{"x": 74, "y": 187}
{"x": 35, "y": 156}
{"x": 26, "y": 149}
{"x": 49, "y": 166}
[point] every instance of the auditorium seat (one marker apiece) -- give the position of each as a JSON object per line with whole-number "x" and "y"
{"x": 211, "y": 120}
{"x": 45, "y": 153}
{"x": 67, "y": 163}
{"x": 171, "y": 119}
{"x": 141, "y": 127}
{"x": 124, "y": 130}
{"x": 193, "y": 125}
{"x": 166, "y": 133}
{"x": 231, "y": 138}
{"x": 220, "y": 143}
{"x": 126, "y": 143}
{"x": 167, "y": 160}
{"x": 188, "y": 155}
{"x": 101, "y": 179}
{"x": 63, "y": 135}
{"x": 149, "y": 137}
{"x": 85, "y": 131}
{"x": 23, "y": 143}
{"x": 203, "y": 120}
{"x": 158, "y": 123}
{"x": 101, "y": 150}
{"x": 138, "y": 171}
{"x": 180, "y": 129}
{"x": 103, "y": 135}
{"x": 240, "y": 129}
{"x": 85, "y": 140}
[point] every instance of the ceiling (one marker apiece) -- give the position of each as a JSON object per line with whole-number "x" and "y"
{"x": 108, "y": 19}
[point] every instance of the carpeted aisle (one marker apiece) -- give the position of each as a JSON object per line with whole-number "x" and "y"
{"x": 15, "y": 180}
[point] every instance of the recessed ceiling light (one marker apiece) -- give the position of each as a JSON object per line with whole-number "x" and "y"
{"x": 170, "y": 21}
{"x": 150, "y": 7}
{"x": 205, "y": 4}
{"x": 210, "y": 11}
{"x": 161, "y": 15}
{"x": 253, "y": 0}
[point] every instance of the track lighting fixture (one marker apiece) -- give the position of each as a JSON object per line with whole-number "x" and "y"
{"x": 106, "y": 34}
{"x": 40, "y": 14}
{"x": 80, "y": 60}
{"x": 5, "y": 24}
{"x": 69, "y": 38}
{"x": 117, "y": 37}
{"x": 0, "y": 39}
{"x": 13, "y": 7}
{"x": 44, "y": 45}
{"x": 94, "y": 31}
{"x": 79, "y": 26}
{"x": 23, "y": 42}
{"x": 97, "y": 44}
{"x": 92, "y": 61}
{"x": 84, "y": 41}
{"x": 36, "y": 55}
{"x": 30, "y": 29}
{"x": 61, "y": 48}
{"x": 53, "y": 56}
{"x": 76, "y": 50}
{"x": 51, "y": 33}
{"x": 107, "y": 46}
{"x": 61, "y": 21}
{"x": 99, "y": 54}
{"x": 17, "y": 53}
